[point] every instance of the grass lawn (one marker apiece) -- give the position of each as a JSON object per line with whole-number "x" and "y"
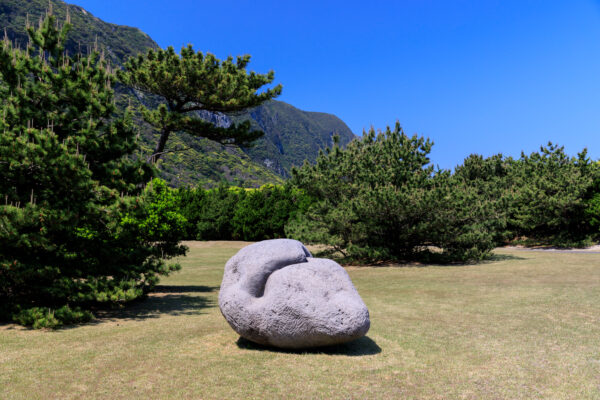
{"x": 524, "y": 326}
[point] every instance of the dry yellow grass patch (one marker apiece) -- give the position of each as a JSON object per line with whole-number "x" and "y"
{"x": 526, "y": 325}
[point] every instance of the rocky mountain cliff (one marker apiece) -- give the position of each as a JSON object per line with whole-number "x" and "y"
{"x": 291, "y": 135}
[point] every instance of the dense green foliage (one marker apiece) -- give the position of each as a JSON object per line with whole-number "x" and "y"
{"x": 71, "y": 234}
{"x": 233, "y": 213}
{"x": 193, "y": 81}
{"x": 592, "y": 203}
{"x": 552, "y": 192}
{"x": 380, "y": 198}
{"x": 542, "y": 198}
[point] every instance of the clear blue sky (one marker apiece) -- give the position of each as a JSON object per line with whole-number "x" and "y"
{"x": 477, "y": 76}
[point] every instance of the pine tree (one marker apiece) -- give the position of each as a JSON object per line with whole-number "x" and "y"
{"x": 70, "y": 230}
{"x": 380, "y": 199}
{"x": 192, "y": 81}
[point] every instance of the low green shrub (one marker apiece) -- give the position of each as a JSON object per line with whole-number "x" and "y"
{"x": 232, "y": 213}
{"x": 44, "y": 317}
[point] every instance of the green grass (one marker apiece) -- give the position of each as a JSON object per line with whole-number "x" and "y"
{"x": 524, "y": 326}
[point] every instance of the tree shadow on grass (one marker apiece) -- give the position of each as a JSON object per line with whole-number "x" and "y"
{"x": 364, "y": 346}
{"x": 492, "y": 258}
{"x": 159, "y": 305}
{"x": 501, "y": 257}
{"x": 9, "y": 325}
{"x": 184, "y": 289}
{"x": 164, "y": 300}
{"x": 155, "y": 306}
{"x": 421, "y": 260}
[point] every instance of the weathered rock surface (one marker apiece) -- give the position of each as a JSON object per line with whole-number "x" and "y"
{"x": 275, "y": 293}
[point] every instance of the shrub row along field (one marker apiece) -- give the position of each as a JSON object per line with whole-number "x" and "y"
{"x": 233, "y": 213}
{"x": 381, "y": 199}
{"x": 523, "y": 325}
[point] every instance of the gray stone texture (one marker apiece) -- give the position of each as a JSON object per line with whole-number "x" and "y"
{"x": 275, "y": 293}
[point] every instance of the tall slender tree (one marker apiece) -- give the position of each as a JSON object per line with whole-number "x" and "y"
{"x": 192, "y": 81}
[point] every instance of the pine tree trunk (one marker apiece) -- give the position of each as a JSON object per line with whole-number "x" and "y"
{"x": 160, "y": 146}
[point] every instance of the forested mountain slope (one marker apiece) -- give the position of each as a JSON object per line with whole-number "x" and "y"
{"x": 291, "y": 135}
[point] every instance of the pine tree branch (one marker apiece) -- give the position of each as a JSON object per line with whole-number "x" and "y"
{"x": 157, "y": 155}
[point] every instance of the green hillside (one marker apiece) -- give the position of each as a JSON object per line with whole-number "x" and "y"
{"x": 291, "y": 135}
{"x": 119, "y": 41}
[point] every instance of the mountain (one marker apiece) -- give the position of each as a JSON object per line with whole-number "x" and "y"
{"x": 119, "y": 41}
{"x": 291, "y": 135}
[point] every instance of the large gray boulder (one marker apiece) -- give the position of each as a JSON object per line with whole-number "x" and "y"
{"x": 275, "y": 293}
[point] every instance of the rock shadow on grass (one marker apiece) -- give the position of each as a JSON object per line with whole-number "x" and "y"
{"x": 364, "y": 346}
